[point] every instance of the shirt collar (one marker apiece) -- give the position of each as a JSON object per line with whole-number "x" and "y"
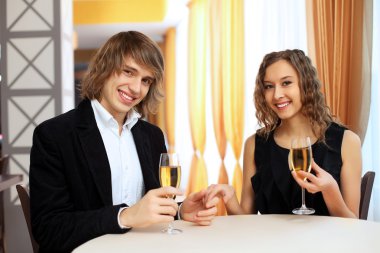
{"x": 104, "y": 118}
{"x": 132, "y": 119}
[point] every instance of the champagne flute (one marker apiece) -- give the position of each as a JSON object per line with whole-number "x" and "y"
{"x": 170, "y": 175}
{"x": 300, "y": 159}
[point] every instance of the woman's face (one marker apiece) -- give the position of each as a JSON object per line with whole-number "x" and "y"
{"x": 282, "y": 90}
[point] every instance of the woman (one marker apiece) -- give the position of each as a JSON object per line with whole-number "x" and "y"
{"x": 289, "y": 104}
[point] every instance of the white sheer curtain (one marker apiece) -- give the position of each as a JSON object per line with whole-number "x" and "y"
{"x": 271, "y": 25}
{"x": 371, "y": 157}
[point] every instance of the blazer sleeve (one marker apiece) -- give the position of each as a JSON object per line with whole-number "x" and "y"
{"x": 57, "y": 226}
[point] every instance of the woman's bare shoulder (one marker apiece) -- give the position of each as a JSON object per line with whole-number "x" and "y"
{"x": 249, "y": 146}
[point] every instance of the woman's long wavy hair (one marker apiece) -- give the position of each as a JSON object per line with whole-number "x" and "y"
{"x": 110, "y": 59}
{"x": 312, "y": 99}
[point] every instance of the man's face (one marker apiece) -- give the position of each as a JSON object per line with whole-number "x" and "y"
{"x": 121, "y": 92}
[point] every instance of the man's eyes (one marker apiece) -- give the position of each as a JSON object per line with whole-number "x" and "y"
{"x": 148, "y": 81}
{"x": 128, "y": 72}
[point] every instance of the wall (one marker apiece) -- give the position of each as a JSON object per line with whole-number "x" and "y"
{"x": 37, "y": 83}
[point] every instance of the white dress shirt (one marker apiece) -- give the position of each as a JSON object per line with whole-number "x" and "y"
{"x": 127, "y": 179}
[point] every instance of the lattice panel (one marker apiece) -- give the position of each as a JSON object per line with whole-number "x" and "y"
{"x": 30, "y": 63}
{"x": 19, "y": 164}
{"x": 25, "y": 113}
{"x": 34, "y": 46}
{"x": 30, "y": 15}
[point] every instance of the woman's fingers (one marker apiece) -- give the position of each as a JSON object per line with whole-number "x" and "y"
{"x": 208, "y": 212}
{"x": 300, "y": 177}
{"x": 315, "y": 167}
{"x": 306, "y": 175}
{"x": 213, "y": 191}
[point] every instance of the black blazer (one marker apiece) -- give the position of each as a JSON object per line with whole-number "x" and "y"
{"x": 70, "y": 178}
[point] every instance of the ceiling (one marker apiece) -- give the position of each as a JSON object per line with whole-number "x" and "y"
{"x": 97, "y": 20}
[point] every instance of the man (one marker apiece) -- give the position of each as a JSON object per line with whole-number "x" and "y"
{"x": 91, "y": 167}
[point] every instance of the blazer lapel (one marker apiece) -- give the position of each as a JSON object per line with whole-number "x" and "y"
{"x": 144, "y": 151}
{"x": 94, "y": 150}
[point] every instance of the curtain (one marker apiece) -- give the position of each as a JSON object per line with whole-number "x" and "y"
{"x": 197, "y": 92}
{"x": 269, "y": 26}
{"x": 165, "y": 116}
{"x": 170, "y": 88}
{"x": 371, "y": 158}
{"x": 232, "y": 43}
{"x": 217, "y": 91}
{"x": 344, "y": 35}
{"x": 342, "y": 59}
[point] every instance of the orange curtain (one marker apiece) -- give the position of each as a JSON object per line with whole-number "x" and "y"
{"x": 233, "y": 80}
{"x": 232, "y": 43}
{"x": 217, "y": 91}
{"x": 197, "y": 92}
{"x": 170, "y": 87}
{"x": 343, "y": 58}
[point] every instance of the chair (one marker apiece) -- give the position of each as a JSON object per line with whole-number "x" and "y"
{"x": 3, "y": 170}
{"x": 23, "y": 194}
{"x": 365, "y": 194}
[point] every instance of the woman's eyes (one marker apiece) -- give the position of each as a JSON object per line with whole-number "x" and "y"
{"x": 268, "y": 86}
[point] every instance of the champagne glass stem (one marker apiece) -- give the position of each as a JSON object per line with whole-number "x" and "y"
{"x": 170, "y": 227}
{"x": 303, "y": 198}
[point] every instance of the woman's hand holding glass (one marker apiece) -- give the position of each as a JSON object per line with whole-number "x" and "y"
{"x": 322, "y": 181}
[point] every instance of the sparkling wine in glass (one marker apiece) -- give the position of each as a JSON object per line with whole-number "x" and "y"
{"x": 170, "y": 175}
{"x": 300, "y": 159}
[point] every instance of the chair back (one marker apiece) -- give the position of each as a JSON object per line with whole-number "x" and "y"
{"x": 365, "y": 194}
{"x": 23, "y": 194}
{"x": 3, "y": 170}
{"x": 4, "y": 164}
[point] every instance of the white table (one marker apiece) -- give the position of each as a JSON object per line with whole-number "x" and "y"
{"x": 248, "y": 233}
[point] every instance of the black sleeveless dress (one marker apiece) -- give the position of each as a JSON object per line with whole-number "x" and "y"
{"x": 276, "y": 191}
